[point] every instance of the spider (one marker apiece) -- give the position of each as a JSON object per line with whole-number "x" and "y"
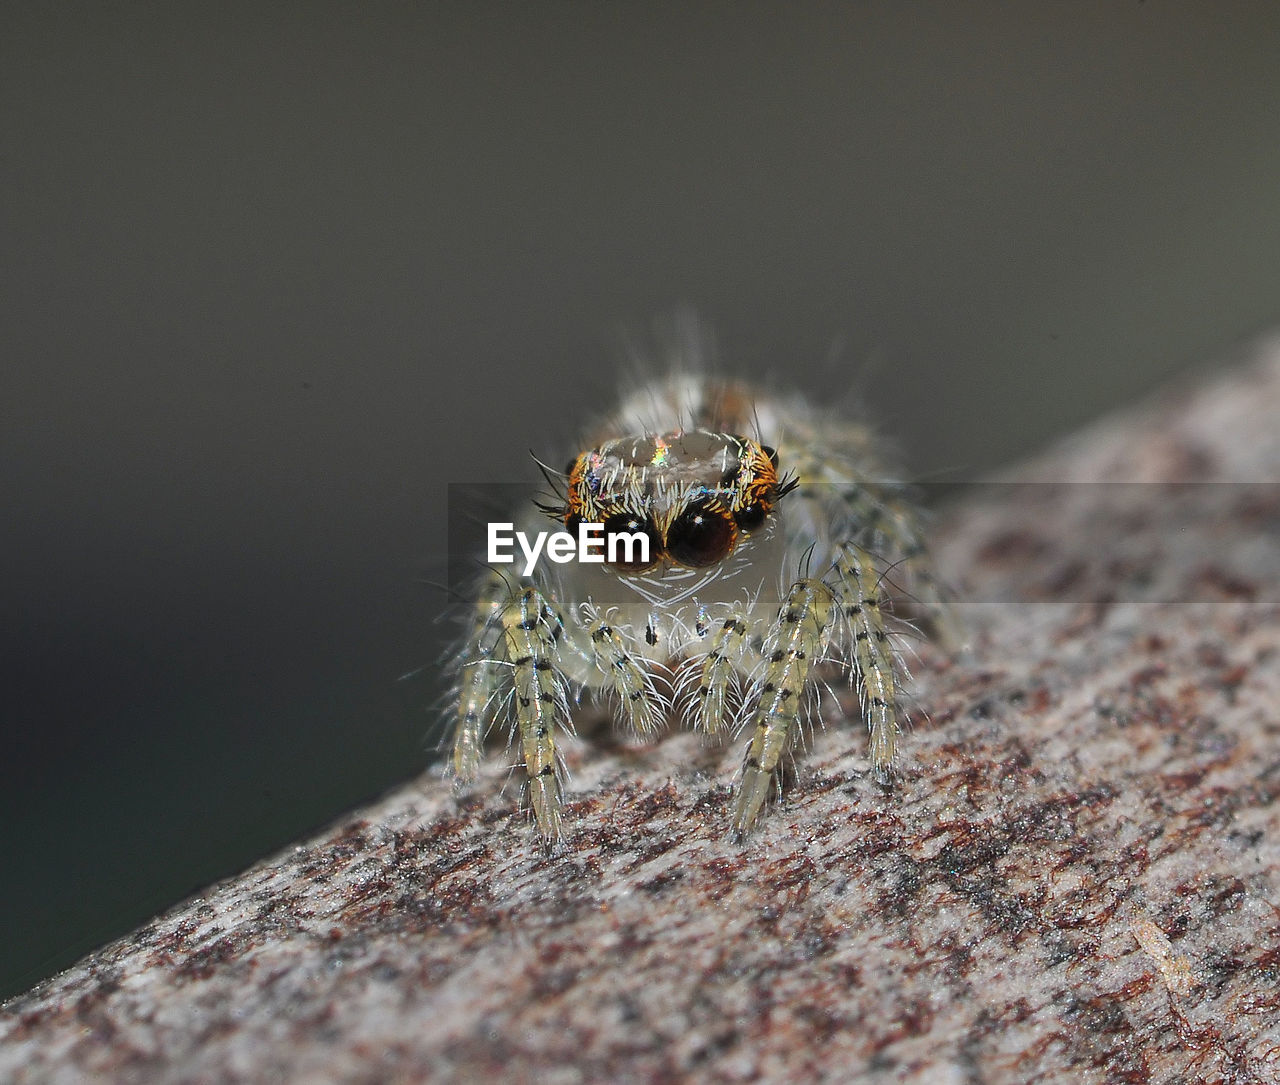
{"x": 769, "y": 526}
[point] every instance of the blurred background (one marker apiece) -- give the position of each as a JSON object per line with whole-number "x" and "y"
{"x": 272, "y": 276}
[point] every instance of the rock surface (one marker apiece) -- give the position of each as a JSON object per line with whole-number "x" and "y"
{"x": 1077, "y": 879}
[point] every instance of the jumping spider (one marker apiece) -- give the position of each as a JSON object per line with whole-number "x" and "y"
{"x": 766, "y": 561}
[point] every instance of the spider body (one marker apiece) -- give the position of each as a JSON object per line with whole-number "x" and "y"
{"x": 769, "y": 525}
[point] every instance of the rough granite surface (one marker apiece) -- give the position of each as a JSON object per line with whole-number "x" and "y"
{"x": 1076, "y": 880}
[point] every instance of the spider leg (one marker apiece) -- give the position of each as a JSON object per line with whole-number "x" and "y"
{"x": 789, "y": 651}
{"x": 894, "y": 525}
{"x": 883, "y": 518}
{"x": 856, "y": 588}
{"x": 531, "y": 628}
{"x": 717, "y": 671}
{"x": 482, "y": 673}
{"x": 639, "y": 702}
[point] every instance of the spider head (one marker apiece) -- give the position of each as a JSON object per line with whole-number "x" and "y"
{"x": 692, "y": 494}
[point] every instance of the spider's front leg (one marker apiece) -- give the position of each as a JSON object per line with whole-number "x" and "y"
{"x": 857, "y": 589}
{"x": 790, "y": 650}
{"x": 531, "y": 631}
{"x": 708, "y": 685}
{"x": 631, "y": 683}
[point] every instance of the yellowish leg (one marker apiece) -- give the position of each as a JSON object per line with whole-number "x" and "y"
{"x": 539, "y": 700}
{"x": 718, "y": 667}
{"x": 482, "y": 678}
{"x": 630, "y": 683}
{"x": 896, "y": 525}
{"x": 789, "y": 652}
{"x": 872, "y": 653}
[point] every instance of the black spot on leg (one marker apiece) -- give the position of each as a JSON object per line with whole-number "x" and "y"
{"x": 650, "y": 635}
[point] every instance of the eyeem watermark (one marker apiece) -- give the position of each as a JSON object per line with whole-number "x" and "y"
{"x": 590, "y": 545}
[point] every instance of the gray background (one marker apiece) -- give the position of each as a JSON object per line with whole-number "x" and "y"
{"x": 271, "y": 278}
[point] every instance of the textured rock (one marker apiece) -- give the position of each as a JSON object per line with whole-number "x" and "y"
{"x": 1077, "y": 880}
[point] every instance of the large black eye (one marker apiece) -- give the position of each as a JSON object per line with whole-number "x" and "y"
{"x": 631, "y": 554}
{"x": 701, "y": 535}
{"x": 750, "y": 517}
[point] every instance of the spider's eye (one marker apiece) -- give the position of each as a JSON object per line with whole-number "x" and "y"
{"x": 750, "y": 517}
{"x": 628, "y": 551}
{"x": 701, "y": 535}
